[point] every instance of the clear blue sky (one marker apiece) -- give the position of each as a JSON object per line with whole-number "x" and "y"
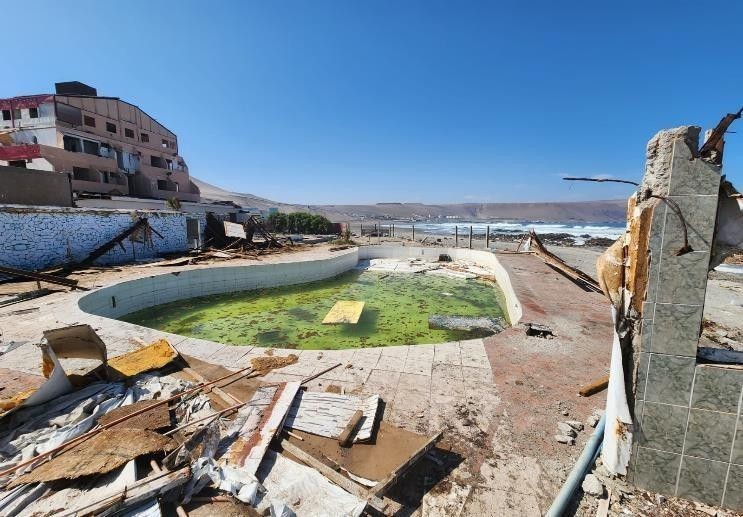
{"x": 353, "y": 102}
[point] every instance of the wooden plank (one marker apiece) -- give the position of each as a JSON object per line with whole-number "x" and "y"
{"x": 222, "y": 395}
{"x": 347, "y": 434}
{"x": 258, "y": 431}
{"x": 594, "y": 387}
{"x": 151, "y": 486}
{"x": 344, "y": 311}
{"x": 339, "y": 479}
{"x": 383, "y": 485}
{"x": 234, "y": 230}
{"x": 551, "y": 259}
{"x": 33, "y": 275}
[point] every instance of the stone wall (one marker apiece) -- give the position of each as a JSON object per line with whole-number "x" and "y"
{"x": 688, "y": 428}
{"x": 41, "y": 237}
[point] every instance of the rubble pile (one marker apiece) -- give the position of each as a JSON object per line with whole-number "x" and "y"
{"x": 144, "y": 434}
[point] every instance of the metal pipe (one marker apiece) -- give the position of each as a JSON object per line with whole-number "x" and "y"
{"x": 575, "y": 478}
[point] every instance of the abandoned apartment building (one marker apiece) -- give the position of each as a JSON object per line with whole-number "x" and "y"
{"x": 109, "y": 146}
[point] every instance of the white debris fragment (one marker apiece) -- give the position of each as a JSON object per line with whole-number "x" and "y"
{"x": 591, "y": 485}
{"x": 569, "y": 440}
{"x": 566, "y": 430}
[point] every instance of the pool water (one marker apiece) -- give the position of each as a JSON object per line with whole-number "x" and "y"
{"x": 396, "y": 312}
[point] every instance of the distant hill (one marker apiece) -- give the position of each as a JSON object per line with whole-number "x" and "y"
{"x": 582, "y": 211}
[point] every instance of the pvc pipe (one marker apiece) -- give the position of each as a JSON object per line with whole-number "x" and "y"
{"x": 575, "y": 478}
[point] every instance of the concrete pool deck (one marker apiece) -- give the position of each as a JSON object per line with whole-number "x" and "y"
{"x": 499, "y": 399}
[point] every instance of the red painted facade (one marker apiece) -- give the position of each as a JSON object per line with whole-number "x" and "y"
{"x": 20, "y": 152}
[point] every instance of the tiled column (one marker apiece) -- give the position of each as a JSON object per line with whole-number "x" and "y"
{"x": 686, "y": 414}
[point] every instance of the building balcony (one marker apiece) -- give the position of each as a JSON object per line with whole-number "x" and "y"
{"x": 99, "y": 187}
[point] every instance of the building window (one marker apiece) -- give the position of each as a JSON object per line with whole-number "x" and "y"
{"x": 89, "y": 121}
{"x": 157, "y": 161}
{"x": 144, "y": 137}
{"x": 91, "y": 147}
{"x": 33, "y": 112}
{"x": 162, "y": 185}
{"x": 69, "y": 114}
{"x": 105, "y": 177}
{"x": 128, "y": 133}
{"x": 6, "y": 114}
{"x": 81, "y": 173}
{"x": 110, "y": 127}
{"x": 71, "y": 144}
{"x": 165, "y": 143}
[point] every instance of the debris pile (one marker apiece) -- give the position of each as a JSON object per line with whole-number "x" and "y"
{"x": 145, "y": 433}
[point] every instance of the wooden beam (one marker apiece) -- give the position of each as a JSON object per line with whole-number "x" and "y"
{"x": 339, "y": 479}
{"x": 139, "y": 492}
{"x": 348, "y": 432}
{"x": 222, "y": 395}
{"x": 33, "y": 275}
{"x": 99, "y": 251}
{"x": 594, "y": 387}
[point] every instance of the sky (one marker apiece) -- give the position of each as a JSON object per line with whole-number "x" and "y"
{"x": 348, "y": 102}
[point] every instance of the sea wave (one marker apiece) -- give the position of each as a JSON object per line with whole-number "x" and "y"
{"x": 577, "y": 231}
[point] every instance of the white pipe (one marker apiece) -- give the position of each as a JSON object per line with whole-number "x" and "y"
{"x": 575, "y": 478}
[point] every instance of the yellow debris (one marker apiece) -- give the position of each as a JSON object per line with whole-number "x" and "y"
{"x": 344, "y": 312}
{"x": 16, "y": 400}
{"x": 150, "y": 357}
{"x": 266, "y": 363}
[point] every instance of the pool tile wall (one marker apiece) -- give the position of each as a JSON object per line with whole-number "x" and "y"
{"x": 133, "y": 295}
{"x": 688, "y": 429}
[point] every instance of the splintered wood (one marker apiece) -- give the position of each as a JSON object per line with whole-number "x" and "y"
{"x": 156, "y": 418}
{"x": 259, "y": 421}
{"x": 109, "y": 449}
{"x": 344, "y": 312}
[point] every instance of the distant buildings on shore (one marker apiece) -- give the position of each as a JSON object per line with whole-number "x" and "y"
{"x": 108, "y": 146}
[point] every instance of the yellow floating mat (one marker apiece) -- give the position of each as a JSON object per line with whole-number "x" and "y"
{"x": 344, "y": 312}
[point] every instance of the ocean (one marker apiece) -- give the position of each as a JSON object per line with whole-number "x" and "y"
{"x": 579, "y": 231}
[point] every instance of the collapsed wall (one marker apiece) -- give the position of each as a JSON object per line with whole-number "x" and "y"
{"x": 35, "y": 238}
{"x": 680, "y": 435}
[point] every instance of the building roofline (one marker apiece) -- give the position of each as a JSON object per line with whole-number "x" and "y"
{"x": 55, "y": 95}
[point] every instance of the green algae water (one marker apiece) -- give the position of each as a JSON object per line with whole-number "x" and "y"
{"x": 396, "y": 312}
